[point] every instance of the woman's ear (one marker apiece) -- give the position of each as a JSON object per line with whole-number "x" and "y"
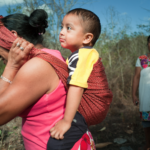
{"x": 15, "y": 33}
{"x": 88, "y": 38}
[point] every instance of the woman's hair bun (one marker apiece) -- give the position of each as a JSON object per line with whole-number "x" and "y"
{"x": 38, "y": 19}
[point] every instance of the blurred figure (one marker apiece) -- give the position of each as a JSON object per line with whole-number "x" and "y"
{"x": 142, "y": 80}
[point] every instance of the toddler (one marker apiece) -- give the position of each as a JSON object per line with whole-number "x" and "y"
{"x": 80, "y": 30}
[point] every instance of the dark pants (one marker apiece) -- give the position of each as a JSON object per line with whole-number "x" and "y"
{"x": 78, "y": 128}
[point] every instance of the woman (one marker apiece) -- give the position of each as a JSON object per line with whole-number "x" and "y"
{"x": 33, "y": 90}
{"x": 142, "y": 79}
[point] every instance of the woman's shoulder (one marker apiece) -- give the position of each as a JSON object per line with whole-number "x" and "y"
{"x": 35, "y": 67}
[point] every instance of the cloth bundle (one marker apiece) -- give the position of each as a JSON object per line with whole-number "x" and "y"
{"x": 96, "y": 98}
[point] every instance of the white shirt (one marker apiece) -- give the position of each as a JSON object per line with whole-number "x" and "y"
{"x": 144, "y": 87}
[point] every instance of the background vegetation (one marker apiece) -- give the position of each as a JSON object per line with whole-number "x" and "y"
{"x": 118, "y": 47}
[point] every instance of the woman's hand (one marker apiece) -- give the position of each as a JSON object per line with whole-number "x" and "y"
{"x": 18, "y": 53}
{"x": 16, "y": 58}
{"x": 135, "y": 100}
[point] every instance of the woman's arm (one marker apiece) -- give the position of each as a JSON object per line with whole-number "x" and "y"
{"x": 34, "y": 79}
{"x": 135, "y": 85}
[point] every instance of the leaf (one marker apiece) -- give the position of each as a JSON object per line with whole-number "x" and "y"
{"x": 104, "y": 128}
{"x": 9, "y": 133}
{"x": 15, "y": 127}
{"x": 101, "y": 145}
{"x": 129, "y": 131}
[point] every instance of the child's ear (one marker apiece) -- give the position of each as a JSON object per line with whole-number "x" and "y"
{"x": 88, "y": 38}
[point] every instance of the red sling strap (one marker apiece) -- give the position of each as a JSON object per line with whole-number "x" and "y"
{"x": 96, "y": 98}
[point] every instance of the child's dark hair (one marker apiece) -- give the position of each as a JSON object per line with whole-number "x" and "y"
{"x": 92, "y": 22}
{"x": 148, "y": 38}
{"x": 30, "y": 28}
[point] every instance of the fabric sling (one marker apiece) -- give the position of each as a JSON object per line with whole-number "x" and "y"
{"x": 96, "y": 98}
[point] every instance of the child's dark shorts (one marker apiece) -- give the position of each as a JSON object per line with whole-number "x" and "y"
{"x": 78, "y": 128}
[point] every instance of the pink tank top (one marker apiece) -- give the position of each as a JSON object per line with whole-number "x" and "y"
{"x": 42, "y": 116}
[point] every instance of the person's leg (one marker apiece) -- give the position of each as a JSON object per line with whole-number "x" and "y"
{"x": 147, "y": 137}
{"x": 77, "y": 130}
{"x": 146, "y": 126}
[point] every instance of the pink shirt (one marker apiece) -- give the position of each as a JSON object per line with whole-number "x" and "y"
{"x": 42, "y": 116}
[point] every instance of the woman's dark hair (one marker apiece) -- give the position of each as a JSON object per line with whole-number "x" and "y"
{"x": 30, "y": 28}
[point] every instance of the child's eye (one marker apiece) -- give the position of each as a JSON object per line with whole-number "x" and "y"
{"x": 61, "y": 26}
{"x": 68, "y": 28}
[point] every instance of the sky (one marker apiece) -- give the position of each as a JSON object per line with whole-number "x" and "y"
{"x": 131, "y": 12}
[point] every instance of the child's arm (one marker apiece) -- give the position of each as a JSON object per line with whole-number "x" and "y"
{"x": 73, "y": 100}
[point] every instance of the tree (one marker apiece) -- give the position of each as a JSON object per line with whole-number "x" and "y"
{"x": 145, "y": 27}
{"x": 56, "y": 10}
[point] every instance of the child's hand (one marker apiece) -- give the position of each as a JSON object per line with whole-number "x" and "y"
{"x": 60, "y": 128}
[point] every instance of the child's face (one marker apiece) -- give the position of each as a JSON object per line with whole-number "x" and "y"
{"x": 72, "y": 34}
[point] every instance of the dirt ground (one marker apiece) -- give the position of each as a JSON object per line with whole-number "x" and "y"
{"x": 122, "y": 121}
{"x": 127, "y": 129}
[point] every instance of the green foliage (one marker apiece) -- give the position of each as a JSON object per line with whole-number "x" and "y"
{"x": 119, "y": 59}
{"x": 9, "y": 133}
{"x": 145, "y": 28}
{"x": 14, "y": 9}
{"x": 15, "y": 127}
{"x": 2, "y": 66}
{"x": 0, "y": 132}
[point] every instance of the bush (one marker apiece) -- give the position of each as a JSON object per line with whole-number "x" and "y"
{"x": 2, "y": 66}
